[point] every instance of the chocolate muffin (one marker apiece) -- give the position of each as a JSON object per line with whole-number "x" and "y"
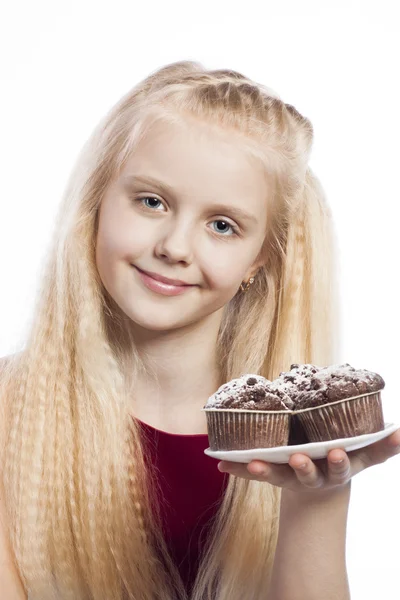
{"x": 248, "y": 412}
{"x": 339, "y": 401}
{"x": 297, "y": 371}
{"x": 288, "y": 382}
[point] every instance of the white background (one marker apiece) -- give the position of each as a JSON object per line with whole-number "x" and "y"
{"x": 64, "y": 64}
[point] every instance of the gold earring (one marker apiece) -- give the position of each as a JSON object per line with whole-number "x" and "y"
{"x": 244, "y": 286}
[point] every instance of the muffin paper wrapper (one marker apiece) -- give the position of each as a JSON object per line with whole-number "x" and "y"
{"x": 345, "y": 418}
{"x": 234, "y": 429}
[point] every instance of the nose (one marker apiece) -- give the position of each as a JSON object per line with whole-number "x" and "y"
{"x": 175, "y": 243}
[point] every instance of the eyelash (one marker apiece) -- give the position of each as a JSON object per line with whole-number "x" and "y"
{"x": 235, "y": 229}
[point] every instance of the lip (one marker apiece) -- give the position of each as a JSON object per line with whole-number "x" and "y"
{"x": 161, "y": 285}
{"x": 175, "y": 282}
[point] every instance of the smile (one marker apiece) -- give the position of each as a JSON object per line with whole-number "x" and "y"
{"x": 162, "y": 285}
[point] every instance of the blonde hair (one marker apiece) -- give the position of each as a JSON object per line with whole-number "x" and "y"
{"x": 77, "y": 495}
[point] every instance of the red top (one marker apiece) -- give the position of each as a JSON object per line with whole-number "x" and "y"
{"x": 192, "y": 488}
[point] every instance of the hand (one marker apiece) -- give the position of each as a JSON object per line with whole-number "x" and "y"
{"x": 322, "y": 474}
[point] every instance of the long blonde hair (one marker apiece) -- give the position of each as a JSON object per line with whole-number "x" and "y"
{"x": 76, "y": 490}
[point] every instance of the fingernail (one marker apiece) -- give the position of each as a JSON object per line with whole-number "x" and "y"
{"x": 337, "y": 462}
{"x": 302, "y": 466}
{"x": 221, "y": 468}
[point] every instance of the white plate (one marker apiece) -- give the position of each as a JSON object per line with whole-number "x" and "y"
{"x": 314, "y": 450}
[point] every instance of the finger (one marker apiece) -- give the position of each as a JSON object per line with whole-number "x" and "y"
{"x": 306, "y": 471}
{"x": 339, "y": 467}
{"x": 279, "y": 475}
{"x": 238, "y": 470}
{"x": 233, "y": 468}
{"x": 393, "y": 441}
{"x": 375, "y": 453}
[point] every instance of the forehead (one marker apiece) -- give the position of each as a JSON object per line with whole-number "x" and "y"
{"x": 200, "y": 160}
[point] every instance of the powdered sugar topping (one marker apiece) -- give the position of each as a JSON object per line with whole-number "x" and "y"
{"x": 232, "y": 387}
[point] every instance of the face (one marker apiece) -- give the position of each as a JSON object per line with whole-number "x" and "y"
{"x": 190, "y": 207}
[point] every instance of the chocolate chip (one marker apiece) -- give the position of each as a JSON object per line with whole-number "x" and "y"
{"x": 315, "y": 384}
{"x": 251, "y": 381}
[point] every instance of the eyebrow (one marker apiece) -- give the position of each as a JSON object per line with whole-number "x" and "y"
{"x": 236, "y": 212}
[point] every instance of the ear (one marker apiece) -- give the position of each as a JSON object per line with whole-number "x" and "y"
{"x": 252, "y": 271}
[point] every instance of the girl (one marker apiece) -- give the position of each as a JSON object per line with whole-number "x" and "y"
{"x": 193, "y": 244}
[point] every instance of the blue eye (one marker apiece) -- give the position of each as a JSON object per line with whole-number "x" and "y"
{"x": 224, "y": 230}
{"x": 151, "y": 199}
{"x": 235, "y": 230}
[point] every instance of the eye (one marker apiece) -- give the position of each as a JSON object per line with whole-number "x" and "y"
{"x": 224, "y": 227}
{"x": 153, "y": 200}
{"x": 149, "y": 202}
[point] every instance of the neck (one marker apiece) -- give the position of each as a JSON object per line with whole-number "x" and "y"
{"x": 180, "y": 373}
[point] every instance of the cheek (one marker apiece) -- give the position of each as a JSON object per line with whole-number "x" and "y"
{"x": 122, "y": 239}
{"x": 225, "y": 267}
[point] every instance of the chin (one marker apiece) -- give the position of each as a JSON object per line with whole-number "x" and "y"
{"x": 159, "y": 322}
{"x": 161, "y": 326}
{"x": 162, "y": 318}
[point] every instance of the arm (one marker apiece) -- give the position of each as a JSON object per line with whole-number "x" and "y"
{"x": 310, "y": 554}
